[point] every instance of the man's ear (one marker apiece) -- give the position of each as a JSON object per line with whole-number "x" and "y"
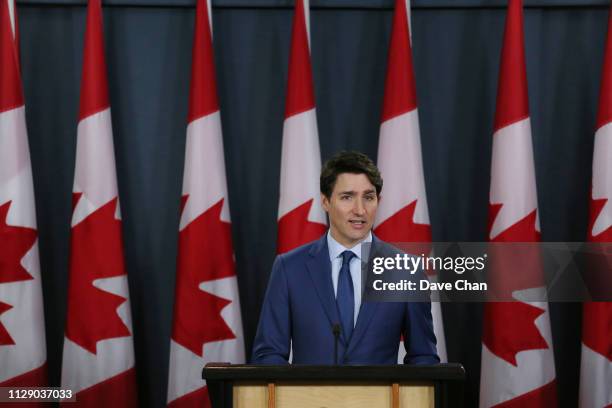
{"x": 325, "y": 202}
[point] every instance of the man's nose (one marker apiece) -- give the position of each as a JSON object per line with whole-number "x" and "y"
{"x": 359, "y": 208}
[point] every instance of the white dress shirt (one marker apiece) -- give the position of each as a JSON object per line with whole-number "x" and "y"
{"x": 335, "y": 256}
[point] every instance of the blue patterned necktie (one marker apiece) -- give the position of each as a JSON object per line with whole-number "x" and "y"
{"x": 345, "y": 296}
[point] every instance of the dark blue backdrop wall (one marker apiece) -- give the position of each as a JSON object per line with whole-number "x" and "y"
{"x": 456, "y": 53}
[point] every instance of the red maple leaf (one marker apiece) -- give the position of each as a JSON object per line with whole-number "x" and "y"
{"x": 597, "y": 206}
{"x": 96, "y": 253}
{"x": 295, "y": 230}
{"x": 205, "y": 254}
{"x": 16, "y": 242}
{"x": 400, "y": 227}
{"x": 5, "y": 337}
{"x": 523, "y": 230}
{"x": 510, "y": 326}
{"x": 517, "y": 264}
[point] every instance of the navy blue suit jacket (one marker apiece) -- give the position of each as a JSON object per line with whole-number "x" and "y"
{"x": 300, "y": 307}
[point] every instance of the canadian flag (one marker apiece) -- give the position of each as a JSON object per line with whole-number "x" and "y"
{"x": 98, "y": 359}
{"x": 596, "y": 362}
{"x": 402, "y": 214}
{"x": 517, "y": 365}
{"x": 207, "y": 323}
{"x": 22, "y": 334}
{"x": 301, "y": 218}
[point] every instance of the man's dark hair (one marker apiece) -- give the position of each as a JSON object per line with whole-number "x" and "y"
{"x": 349, "y": 162}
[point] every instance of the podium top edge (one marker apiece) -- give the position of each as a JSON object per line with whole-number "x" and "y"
{"x": 236, "y": 372}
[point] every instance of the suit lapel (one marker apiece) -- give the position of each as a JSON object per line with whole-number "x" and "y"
{"x": 319, "y": 268}
{"x": 366, "y": 312}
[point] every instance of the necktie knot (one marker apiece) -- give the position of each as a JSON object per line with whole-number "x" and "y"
{"x": 347, "y": 256}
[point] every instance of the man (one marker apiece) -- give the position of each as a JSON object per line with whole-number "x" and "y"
{"x": 313, "y": 301}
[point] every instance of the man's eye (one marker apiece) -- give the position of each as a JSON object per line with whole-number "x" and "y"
{"x": 370, "y": 197}
{"x": 345, "y": 197}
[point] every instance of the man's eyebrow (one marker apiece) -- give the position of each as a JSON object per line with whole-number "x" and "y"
{"x": 350, "y": 192}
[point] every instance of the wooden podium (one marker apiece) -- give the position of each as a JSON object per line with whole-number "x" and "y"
{"x": 390, "y": 386}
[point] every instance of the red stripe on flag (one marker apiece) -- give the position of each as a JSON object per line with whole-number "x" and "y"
{"x": 604, "y": 113}
{"x": 512, "y": 96}
{"x": 400, "y": 88}
{"x": 545, "y": 396}
{"x": 203, "y": 93}
{"x": 16, "y": 22}
{"x": 596, "y": 207}
{"x": 597, "y": 327}
{"x": 196, "y": 399}
{"x": 116, "y": 392}
{"x": 33, "y": 378}
{"x": 94, "y": 84}
{"x": 300, "y": 94}
{"x": 11, "y": 93}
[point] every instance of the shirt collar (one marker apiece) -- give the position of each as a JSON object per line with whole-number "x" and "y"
{"x": 336, "y": 248}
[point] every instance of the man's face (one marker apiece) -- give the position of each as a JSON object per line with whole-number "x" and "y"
{"x": 351, "y": 208}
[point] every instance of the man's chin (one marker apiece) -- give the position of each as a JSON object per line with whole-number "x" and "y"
{"x": 356, "y": 238}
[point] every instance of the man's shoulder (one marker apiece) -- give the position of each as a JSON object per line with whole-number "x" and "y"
{"x": 301, "y": 253}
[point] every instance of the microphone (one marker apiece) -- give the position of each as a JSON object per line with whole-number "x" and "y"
{"x": 336, "y": 331}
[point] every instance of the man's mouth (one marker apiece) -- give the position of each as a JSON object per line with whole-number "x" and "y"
{"x": 357, "y": 223}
